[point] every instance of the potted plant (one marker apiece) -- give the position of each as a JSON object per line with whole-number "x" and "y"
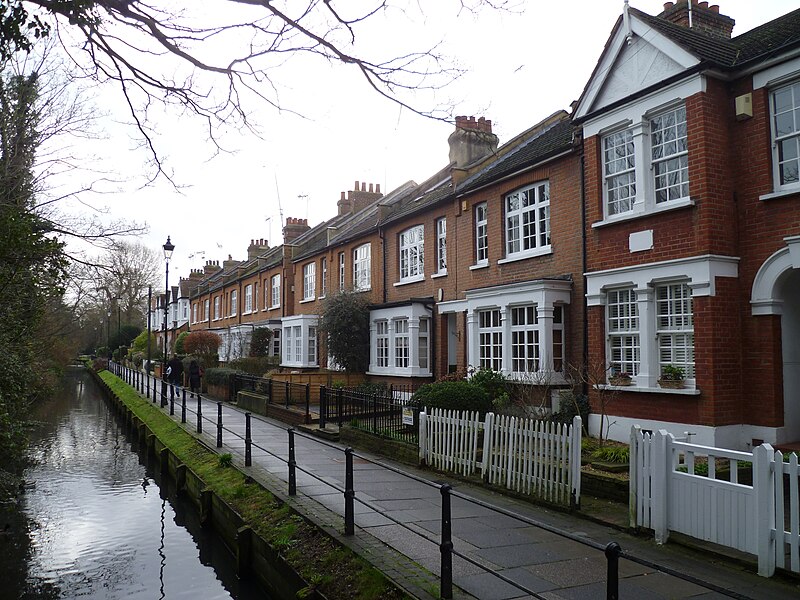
{"x": 620, "y": 378}
{"x": 672, "y": 377}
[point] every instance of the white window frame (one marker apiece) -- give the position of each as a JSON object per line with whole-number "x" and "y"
{"x": 216, "y": 314}
{"x": 300, "y": 335}
{"x": 362, "y": 268}
{"x": 527, "y": 221}
{"x": 491, "y": 343}
{"x": 623, "y": 346}
{"x": 400, "y": 341}
{"x": 248, "y": 299}
{"x": 234, "y": 303}
{"x": 323, "y": 266}
{"x": 194, "y": 311}
{"x": 675, "y": 327}
{"x": 206, "y": 310}
{"x": 411, "y": 243}
{"x": 657, "y": 145}
{"x": 481, "y": 216}
{"x": 785, "y": 139}
{"x": 525, "y": 354}
{"x": 341, "y": 271}
{"x": 275, "y": 291}
{"x": 309, "y": 282}
{"x": 276, "y": 342}
{"x": 441, "y": 246}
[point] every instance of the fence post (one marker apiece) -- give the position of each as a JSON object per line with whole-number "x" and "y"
{"x": 446, "y": 547}
{"x": 248, "y": 456}
{"x": 374, "y": 413}
{"x": 349, "y": 493}
{"x": 633, "y": 474}
{"x": 612, "y": 552}
{"x": 199, "y": 415}
{"x": 292, "y": 464}
{"x": 172, "y": 402}
{"x": 269, "y": 390}
{"x": 423, "y": 437}
{"x": 764, "y": 500}
{"x": 662, "y": 468}
{"x": 147, "y": 382}
{"x": 575, "y": 461}
{"x": 323, "y": 405}
{"x": 488, "y": 433}
{"x": 183, "y": 406}
{"x": 339, "y": 406}
{"x": 219, "y": 424}
{"x": 163, "y": 393}
{"x": 308, "y": 403}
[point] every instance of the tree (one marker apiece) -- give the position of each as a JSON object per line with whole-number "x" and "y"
{"x": 140, "y": 343}
{"x": 179, "y": 349}
{"x": 203, "y": 344}
{"x": 344, "y": 322}
{"x": 210, "y": 67}
{"x": 260, "y": 341}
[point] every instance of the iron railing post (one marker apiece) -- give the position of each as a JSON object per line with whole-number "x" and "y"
{"x": 339, "y": 406}
{"x": 288, "y": 391}
{"x": 248, "y": 456}
{"x": 199, "y": 414}
{"x": 269, "y": 390}
{"x": 349, "y": 493}
{"x": 172, "y": 404}
{"x": 292, "y": 465}
{"x": 183, "y": 406}
{"x": 323, "y": 405}
{"x": 219, "y": 424}
{"x": 612, "y": 552}
{"x": 163, "y": 393}
{"x": 446, "y": 546}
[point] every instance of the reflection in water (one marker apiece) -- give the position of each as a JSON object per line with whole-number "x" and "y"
{"x": 94, "y": 531}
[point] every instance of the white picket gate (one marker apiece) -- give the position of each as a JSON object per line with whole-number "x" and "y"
{"x": 668, "y": 494}
{"x": 525, "y": 455}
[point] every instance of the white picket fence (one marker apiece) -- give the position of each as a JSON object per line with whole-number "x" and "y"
{"x": 667, "y": 494}
{"x": 525, "y": 455}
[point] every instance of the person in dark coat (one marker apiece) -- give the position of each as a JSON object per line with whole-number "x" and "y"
{"x": 175, "y": 370}
{"x": 194, "y": 376}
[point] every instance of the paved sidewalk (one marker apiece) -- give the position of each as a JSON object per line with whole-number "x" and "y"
{"x": 549, "y": 565}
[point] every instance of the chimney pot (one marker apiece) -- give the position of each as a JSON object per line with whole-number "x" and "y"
{"x": 668, "y": 5}
{"x": 370, "y": 188}
{"x": 377, "y": 188}
{"x": 363, "y": 186}
{"x": 342, "y": 196}
{"x": 355, "y": 187}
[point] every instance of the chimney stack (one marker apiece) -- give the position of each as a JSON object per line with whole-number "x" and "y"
{"x": 227, "y": 264}
{"x": 211, "y": 267}
{"x": 706, "y": 19}
{"x": 294, "y": 228}
{"x": 256, "y": 248}
{"x": 471, "y": 141}
{"x": 360, "y": 197}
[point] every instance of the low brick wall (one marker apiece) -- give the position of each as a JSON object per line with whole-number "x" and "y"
{"x": 399, "y": 451}
{"x": 252, "y": 402}
{"x": 603, "y": 486}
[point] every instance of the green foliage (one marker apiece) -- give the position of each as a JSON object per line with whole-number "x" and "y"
{"x": 570, "y": 406}
{"x": 494, "y": 382}
{"x": 225, "y": 460}
{"x": 255, "y": 365}
{"x": 700, "y": 468}
{"x": 612, "y": 454}
{"x": 179, "y": 349}
{"x": 220, "y": 375}
{"x": 453, "y": 395}
{"x": 344, "y": 323}
{"x": 139, "y": 344}
{"x": 260, "y": 342}
{"x": 125, "y": 336}
{"x": 672, "y": 373}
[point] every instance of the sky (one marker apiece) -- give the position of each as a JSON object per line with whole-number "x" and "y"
{"x": 520, "y": 67}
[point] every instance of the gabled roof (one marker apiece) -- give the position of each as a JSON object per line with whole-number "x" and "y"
{"x": 532, "y": 147}
{"x": 436, "y": 189}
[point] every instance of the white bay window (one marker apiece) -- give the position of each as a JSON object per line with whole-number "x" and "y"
{"x": 400, "y": 340}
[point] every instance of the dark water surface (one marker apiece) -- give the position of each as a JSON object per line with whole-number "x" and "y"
{"x": 96, "y": 524}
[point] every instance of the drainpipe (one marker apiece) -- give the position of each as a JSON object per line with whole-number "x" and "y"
{"x": 383, "y": 259}
{"x": 585, "y": 386}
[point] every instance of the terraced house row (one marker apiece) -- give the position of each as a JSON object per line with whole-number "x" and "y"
{"x": 656, "y": 225}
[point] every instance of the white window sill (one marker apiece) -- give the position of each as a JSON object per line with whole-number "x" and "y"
{"x": 398, "y": 372}
{"x": 437, "y": 275}
{"x": 479, "y": 266}
{"x": 307, "y": 300}
{"x": 299, "y": 365}
{"x": 780, "y": 194}
{"x": 638, "y": 214}
{"x": 409, "y": 281}
{"x": 273, "y": 307}
{"x": 522, "y": 256}
{"x": 321, "y": 297}
{"x": 247, "y": 312}
{"x": 366, "y": 289}
{"x": 649, "y": 390}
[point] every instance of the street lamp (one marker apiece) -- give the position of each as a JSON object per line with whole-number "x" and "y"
{"x": 168, "y": 249}
{"x": 108, "y": 331}
{"x": 119, "y": 321}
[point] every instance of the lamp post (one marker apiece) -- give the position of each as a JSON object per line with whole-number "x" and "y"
{"x": 168, "y": 249}
{"x": 119, "y": 321}
{"x": 108, "y": 331}
{"x": 149, "y": 317}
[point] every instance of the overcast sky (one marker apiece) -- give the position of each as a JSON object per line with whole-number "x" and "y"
{"x": 521, "y": 68}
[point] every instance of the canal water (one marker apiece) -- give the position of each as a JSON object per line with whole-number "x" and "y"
{"x": 96, "y": 520}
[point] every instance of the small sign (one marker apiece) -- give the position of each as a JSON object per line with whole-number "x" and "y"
{"x": 408, "y": 416}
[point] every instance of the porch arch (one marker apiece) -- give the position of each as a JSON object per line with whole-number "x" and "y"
{"x": 766, "y": 297}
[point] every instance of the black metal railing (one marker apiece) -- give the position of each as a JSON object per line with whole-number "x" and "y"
{"x": 388, "y": 415}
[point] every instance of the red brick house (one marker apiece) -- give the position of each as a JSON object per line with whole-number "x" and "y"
{"x": 692, "y": 198}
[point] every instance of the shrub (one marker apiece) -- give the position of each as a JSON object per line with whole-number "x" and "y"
{"x": 140, "y": 343}
{"x": 100, "y": 364}
{"x": 202, "y": 343}
{"x": 220, "y": 375}
{"x": 570, "y": 406}
{"x": 493, "y": 382}
{"x": 260, "y": 342}
{"x": 344, "y": 323}
{"x": 179, "y": 341}
{"x": 137, "y": 358}
{"x": 453, "y": 395}
{"x": 255, "y": 365}
{"x": 612, "y": 454}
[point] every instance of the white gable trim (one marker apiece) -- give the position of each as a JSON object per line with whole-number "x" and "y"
{"x": 618, "y": 41}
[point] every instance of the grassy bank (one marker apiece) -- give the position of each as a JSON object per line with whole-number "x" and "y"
{"x": 334, "y": 570}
